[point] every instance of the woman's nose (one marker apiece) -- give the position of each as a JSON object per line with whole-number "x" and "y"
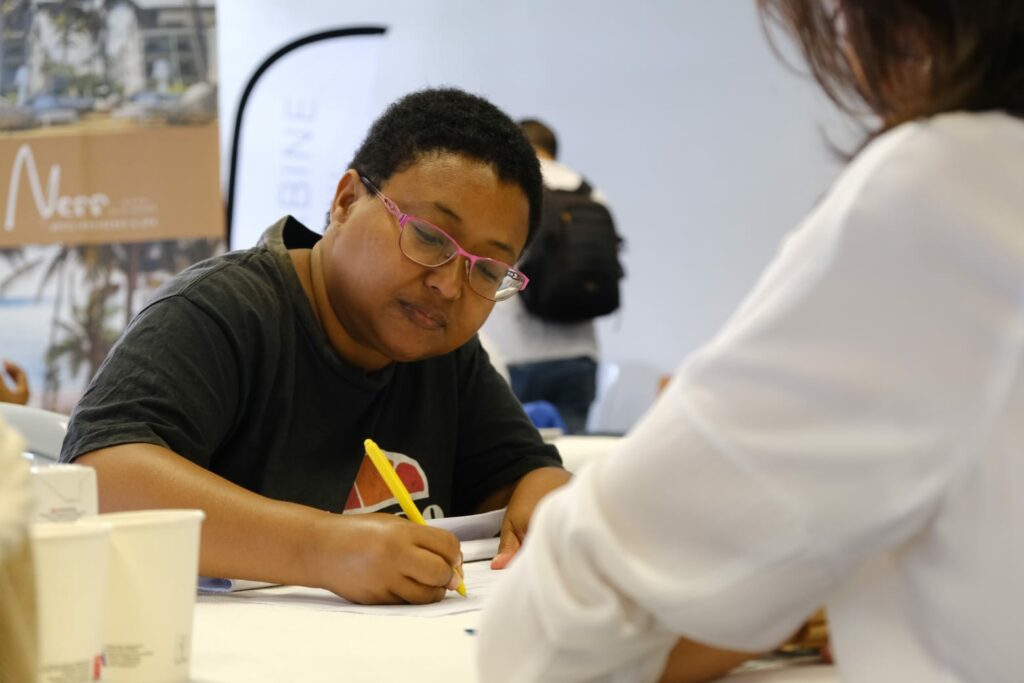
{"x": 449, "y": 279}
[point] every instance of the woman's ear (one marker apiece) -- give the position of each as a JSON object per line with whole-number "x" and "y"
{"x": 350, "y": 188}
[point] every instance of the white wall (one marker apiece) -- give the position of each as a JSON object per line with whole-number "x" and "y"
{"x": 708, "y": 148}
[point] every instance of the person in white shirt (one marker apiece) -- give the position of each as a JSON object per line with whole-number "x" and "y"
{"x": 853, "y": 436}
{"x": 18, "y": 637}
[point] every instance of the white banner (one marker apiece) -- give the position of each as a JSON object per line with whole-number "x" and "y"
{"x": 299, "y": 127}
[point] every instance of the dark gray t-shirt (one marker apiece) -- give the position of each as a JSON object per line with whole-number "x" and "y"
{"x": 228, "y": 367}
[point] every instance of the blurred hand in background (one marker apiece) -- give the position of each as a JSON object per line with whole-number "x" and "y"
{"x": 19, "y": 392}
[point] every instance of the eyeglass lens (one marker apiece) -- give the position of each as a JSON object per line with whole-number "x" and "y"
{"x": 427, "y": 246}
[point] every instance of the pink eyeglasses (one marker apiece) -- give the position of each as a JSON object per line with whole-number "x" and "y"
{"x": 429, "y": 245}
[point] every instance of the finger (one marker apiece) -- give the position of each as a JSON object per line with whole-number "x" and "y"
{"x": 20, "y": 379}
{"x": 429, "y": 569}
{"x": 508, "y": 546}
{"x": 376, "y": 595}
{"x": 457, "y": 580}
{"x": 386, "y": 598}
{"x": 408, "y": 590}
{"x": 19, "y": 394}
{"x": 439, "y": 542}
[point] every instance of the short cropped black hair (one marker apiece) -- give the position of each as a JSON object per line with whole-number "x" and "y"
{"x": 540, "y": 135}
{"x": 454, "y": 121}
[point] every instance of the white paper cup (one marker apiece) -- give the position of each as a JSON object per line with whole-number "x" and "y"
{"x": 154, "y": 564}
{"x": 72, "y": 580}
{"x": 63, "y": 493}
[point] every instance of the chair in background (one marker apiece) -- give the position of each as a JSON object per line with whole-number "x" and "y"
{"x": 544, "y": 415}
{"x": 42, "y": 430}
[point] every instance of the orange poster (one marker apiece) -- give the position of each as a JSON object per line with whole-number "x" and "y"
{"x": 132, "y": 185}
{"x": 109, "y": 174}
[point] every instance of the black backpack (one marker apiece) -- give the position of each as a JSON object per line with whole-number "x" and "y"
{"x": 573, "y": 262}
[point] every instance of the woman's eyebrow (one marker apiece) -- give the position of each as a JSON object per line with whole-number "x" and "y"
{"x": 504, "y": 247}
{"x": 444, "y": 208}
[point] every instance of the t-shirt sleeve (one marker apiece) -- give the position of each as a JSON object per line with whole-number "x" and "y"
{"x": 497, "y": 443}
{"x": 172, "y": 380}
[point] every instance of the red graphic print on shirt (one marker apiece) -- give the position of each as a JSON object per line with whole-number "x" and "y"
{"x": 369, "y": 492}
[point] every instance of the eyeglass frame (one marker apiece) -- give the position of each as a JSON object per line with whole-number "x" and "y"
{"x": 471, "y": 259}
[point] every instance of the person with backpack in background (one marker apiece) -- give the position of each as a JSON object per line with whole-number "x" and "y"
{"x": 548, "y": 335}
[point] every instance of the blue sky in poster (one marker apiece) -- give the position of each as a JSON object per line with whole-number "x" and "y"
{"x": 23, "y": 317}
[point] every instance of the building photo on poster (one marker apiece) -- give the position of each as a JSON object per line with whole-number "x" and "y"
{"x": 109, "y": 169}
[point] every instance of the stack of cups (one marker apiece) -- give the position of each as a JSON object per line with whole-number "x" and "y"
{"x": 154, "y": 565}
{"x": 72, "y": 562}
{"x": 116, "y": 592}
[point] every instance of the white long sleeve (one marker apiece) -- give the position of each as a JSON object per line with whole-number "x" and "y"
{"x": 851, "y": 438}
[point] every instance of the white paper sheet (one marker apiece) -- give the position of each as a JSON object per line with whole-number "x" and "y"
{"x": 479, "y": 549}
{"x": 471, "y": 527}
{"x": 479, "y": 578}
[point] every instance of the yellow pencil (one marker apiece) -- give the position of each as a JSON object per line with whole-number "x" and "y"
{"x": 401, "y": 494}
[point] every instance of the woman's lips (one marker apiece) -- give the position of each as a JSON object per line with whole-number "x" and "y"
{"x": 424, "y": 316}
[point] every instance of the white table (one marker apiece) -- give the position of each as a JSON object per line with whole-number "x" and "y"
{"x": 239, "y": 641}
{"x": 252, "y": 643}
{"x": 814, "y": 673}
{"x": 242, "y": 641}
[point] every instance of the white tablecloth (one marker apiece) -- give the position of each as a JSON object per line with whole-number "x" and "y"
{"x": 238, "y": 641}
{"x": 241, "y": 641}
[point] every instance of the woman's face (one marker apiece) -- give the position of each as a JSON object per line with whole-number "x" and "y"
{"x": 391, "y": 308}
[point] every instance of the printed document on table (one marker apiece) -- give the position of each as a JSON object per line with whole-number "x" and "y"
{"x": 478, "y": 534}
{"x": 471, "y": 527}
{"x": 479, "y": 578}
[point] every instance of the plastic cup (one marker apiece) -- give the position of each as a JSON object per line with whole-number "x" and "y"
{"x": 154, "y": 565}
{"x": 63, "y": 493}
{"x": 72, "y": 579}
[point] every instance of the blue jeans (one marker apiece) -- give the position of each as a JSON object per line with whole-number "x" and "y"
{"x": 569, "y": 384}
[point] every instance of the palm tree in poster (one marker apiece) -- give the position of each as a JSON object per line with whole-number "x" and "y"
{"x": 104, "y": 274}
{"x": 85, "y": 339}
